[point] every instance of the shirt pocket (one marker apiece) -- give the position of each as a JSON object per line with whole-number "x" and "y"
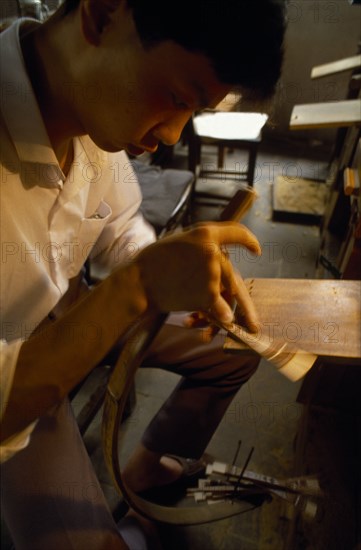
{"x": 89, "y": 231}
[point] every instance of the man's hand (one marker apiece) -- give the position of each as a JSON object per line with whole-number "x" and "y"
{"x": 200, "y": 319}
{"x": 190, "y": 270}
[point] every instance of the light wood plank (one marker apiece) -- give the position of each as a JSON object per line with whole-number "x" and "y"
{"x": 319, "y": 316}
{"x": 229, "y": 103}
{"x": 339, "y": 66}
{"x": 332, "y": 114}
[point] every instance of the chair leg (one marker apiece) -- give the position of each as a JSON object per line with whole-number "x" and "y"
{"x": 91, "y": 408}
{"x": 194, "y": 154}
{"x": 220, "y": 156}
{"x": 251, "y": 165}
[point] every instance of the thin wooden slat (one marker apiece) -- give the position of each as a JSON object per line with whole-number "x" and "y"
{"x": 331, "y": 114}
{"x": 229, "y": 103}
{"x": 319, "y": 316}
{"x": 341, "y": 65}
{"x": 351, "y": 181}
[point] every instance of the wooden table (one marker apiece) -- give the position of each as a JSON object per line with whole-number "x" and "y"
{"x": 319, "y": 316}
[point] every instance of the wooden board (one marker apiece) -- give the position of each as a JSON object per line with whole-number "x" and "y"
{"x": 298, "y": 200}
{"x": 339, "y": 66}
{"x": 332, "y": 114}
{"x": 229, "y": 103}
{"x": 319, "y": 316}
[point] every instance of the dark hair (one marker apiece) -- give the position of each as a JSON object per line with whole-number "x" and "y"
{"x": 243, "y": 39}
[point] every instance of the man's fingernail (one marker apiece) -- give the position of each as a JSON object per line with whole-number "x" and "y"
{"x": 227, "y": 316}
{"x": 253, "y": 326}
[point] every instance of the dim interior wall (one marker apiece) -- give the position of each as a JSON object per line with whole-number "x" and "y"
{"x": 319, "y": 31}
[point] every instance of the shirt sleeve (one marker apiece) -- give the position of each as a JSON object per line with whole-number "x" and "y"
{"x": 9, "y": 353}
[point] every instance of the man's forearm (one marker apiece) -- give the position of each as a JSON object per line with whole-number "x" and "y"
{"x": 57, "y": 358}
{"x": 183, "y": 271}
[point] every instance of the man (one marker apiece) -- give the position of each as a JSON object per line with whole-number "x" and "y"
{"x": 99, "y": 78}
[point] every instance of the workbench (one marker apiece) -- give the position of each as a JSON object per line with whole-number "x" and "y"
{"x": 320, "y": 316}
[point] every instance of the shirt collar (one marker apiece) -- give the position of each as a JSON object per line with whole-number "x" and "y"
{"x": 20, "y": 108}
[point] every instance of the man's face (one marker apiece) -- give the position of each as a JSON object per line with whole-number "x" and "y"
{"x": 143, "y": 97}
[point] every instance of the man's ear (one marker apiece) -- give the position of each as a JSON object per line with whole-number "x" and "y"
{"x": 95, "y": 16}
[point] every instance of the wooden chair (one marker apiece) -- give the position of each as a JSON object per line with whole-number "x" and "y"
{"x": 232, "y": 130}
{"x": 166, "y": 195}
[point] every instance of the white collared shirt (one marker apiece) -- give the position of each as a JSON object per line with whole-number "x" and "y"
{"x": 50, "y": 224}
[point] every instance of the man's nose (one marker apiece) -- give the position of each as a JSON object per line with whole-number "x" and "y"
{"x": 169, "y": 131}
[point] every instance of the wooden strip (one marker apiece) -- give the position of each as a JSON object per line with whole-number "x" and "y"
{"x": 331, "y": 114}
{"x": 116, "y": 395}
{"x": 229, "y": 103}
{"x": 351, "y": 181}
{"x": 341, "y": 65}
{"x": 240, "y": 203}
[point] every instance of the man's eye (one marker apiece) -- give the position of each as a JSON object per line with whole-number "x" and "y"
{"x": 178, "y": 102}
